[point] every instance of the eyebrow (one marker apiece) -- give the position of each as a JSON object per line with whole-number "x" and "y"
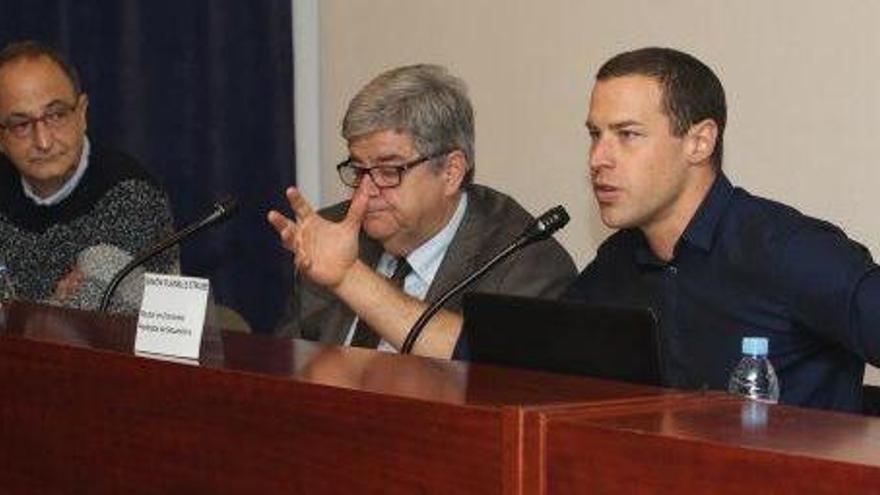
{"x": 392, "y": 157}
{"x": 623, "y": 124}
{"x": 615, "y": 125}
{"x": 52, "y": 104}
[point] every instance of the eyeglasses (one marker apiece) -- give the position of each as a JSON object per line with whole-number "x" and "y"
{"x": 58, "y": 116}
{"x": 351, "y": 173}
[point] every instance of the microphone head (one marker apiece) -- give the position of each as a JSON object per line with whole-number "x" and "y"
{"x": 545, "y": 225}
{"x": 226, "y": 207}
{"x": 553, "y": 219}
{"x": 223, "y": 210}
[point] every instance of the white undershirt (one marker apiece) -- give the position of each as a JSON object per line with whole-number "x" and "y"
{"x": 69, "y": 185}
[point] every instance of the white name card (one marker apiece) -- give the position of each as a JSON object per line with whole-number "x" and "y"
{"x": 172, "y": 315}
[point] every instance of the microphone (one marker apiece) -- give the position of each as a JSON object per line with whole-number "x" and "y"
{"x": 541, "y": 228}
{"x": 223, "y": 209}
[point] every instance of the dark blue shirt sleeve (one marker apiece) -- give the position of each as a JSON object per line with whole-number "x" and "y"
{"x": 834, "y": 289}
{"x": 866, "y": 315}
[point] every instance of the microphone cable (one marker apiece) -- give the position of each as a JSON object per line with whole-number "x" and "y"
{"x": 223, "y": 209}
{"x": 541, "y": 228}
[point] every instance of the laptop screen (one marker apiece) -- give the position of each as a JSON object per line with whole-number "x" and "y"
{"x": 610, "y": 342}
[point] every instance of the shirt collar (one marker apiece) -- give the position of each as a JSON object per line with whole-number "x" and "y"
{"x": 67, "y": 189}
{"x": 700, "y": 231}
{"x": 425, "y": 260}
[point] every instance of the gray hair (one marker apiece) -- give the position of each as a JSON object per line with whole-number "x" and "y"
{"x": 424, "y": 101}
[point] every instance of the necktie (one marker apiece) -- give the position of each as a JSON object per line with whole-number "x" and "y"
{"x": 364, "y": 336}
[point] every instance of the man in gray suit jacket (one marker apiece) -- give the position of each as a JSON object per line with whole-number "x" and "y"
{"x": 410, "y": 135}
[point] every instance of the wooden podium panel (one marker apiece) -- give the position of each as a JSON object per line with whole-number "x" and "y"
{"x": 81, "y": 413}
{"x": 707, "y": 444}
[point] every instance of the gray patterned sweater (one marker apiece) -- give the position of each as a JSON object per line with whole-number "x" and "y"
{"x": 115, "y": 203}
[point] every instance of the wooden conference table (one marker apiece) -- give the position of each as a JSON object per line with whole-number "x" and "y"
{"x": 81, "y": 413}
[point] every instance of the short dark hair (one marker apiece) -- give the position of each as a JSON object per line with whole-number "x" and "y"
{"x": 30, "y": 49}
{"x": 691, "y": 91}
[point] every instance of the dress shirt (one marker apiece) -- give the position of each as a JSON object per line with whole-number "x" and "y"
{"x": 425, "y": 261}
{"x": 747, "y": 266}
{"x": 68, "y": 187}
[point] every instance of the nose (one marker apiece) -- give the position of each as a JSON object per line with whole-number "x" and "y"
{"x": 601, "y": 155}
{"x": 368, "y": 185}
{"x": 41, "y": 136}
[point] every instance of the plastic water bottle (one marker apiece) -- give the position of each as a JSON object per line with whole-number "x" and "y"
{"x": 754, "y": 376}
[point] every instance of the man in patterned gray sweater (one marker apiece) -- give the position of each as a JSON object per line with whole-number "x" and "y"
{"x": 65, "y": 203}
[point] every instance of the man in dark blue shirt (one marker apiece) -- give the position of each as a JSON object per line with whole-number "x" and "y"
{"x": 714, "y": 262}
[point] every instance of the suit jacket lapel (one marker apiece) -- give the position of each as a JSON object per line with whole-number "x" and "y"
{"x": 461, "y": 256}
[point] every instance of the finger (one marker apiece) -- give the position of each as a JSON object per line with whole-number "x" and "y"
{"x": 285, "y": 227}
{"x": 357, "y": 209}
{"x": 62, "y": 288}
{"x": 67, "y": 285}
{"x": 75, "y": 276}
{"x": 302, "y": 263}
{"x": 60, "y": 291}
{"x": 301, "y": 208}
{"x": 280, "y": 222}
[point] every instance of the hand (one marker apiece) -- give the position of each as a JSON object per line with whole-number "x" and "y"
{"x": 67, "y": 286}
{"x": 323, "y": 251}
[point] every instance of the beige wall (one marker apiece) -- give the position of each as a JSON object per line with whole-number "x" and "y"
{"x": 804, "y": 111}
{"x": 801, "y": 79}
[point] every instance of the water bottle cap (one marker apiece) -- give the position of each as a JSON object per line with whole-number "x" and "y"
{"x": 755, "y": 346}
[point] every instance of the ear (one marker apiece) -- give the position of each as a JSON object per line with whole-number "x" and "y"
{"x": 2, "y": 147}
{"x": 700, "y": 141}
{"x": 84, "y": 110}
{"x": 454, "y": 171}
